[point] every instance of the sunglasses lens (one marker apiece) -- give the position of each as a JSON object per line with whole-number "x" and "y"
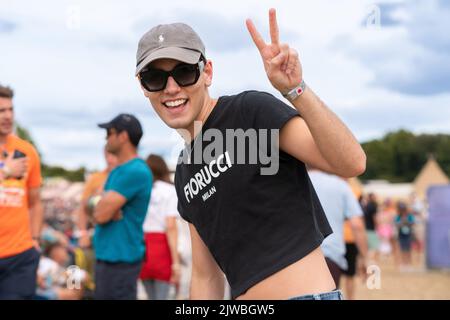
{"x": 153, "y": 80}
{"x": 183, "y": 74}
{"x": 186, "y": 74}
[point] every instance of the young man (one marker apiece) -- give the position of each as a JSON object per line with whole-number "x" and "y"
{"x": 119, "y": 215}
{"x": 21, "y": 211}
{"x": 261, "y": 227}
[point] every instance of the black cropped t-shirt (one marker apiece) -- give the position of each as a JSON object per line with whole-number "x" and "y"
{"x": 254, "y": 224}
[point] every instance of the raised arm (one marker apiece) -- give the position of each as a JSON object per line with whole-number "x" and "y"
{"x": 319, "y": 138}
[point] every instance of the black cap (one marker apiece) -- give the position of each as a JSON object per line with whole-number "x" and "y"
{"x": 125, "y": 122}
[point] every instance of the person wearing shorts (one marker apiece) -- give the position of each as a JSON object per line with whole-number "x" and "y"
{"x": 351, "y": 256}
{"x": 405, "y": 230}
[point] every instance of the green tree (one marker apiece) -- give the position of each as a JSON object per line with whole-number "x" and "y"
{"x": 56, "y": 171}
{"x": 400, "y": 155}
{"x": 24, "y": 134}
{"x": 47, "y": 170}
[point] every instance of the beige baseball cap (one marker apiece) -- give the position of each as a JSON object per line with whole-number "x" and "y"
{"x": 173, "y": 41}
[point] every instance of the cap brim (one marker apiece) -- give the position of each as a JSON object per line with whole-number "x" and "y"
{"x": 176, "y": 53}
{"x": 106, "y": 125}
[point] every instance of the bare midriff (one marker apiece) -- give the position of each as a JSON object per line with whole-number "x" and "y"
{"x": 309, "y": 275}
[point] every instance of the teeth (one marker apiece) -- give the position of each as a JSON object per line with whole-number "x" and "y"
{"x": 175, "y": 103}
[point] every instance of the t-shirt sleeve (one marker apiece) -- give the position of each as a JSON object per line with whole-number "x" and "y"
{"x": 182, "y": 213}
{"x": 263, "y": 111}
{"x": 130, "y": 183}
{"x": 179, "y": 194}
{"x": 34, "y": 176}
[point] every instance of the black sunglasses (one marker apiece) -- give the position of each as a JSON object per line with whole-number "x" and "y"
{"x": 184, "y": 75}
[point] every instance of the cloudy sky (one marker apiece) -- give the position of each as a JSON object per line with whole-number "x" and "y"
{"x": 380, "y": 65}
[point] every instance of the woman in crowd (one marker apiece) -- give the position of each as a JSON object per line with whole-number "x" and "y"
{"x": 161, "y": 268}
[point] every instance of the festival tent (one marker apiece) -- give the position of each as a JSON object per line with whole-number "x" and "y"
{"x": 430, "y": 175}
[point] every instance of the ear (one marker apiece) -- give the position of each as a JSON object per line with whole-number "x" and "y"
{"x": 208, "y": 73}
{"x": 123, "y": 136}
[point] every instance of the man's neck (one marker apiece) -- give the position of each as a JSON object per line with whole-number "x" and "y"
{"x": 194, "y": 129}
{"x": 126, "y": 154}
{"x": 3, "y": 139}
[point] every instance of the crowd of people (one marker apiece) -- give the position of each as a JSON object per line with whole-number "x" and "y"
{"x": 99, "y": 253}
{"x": 395, "y": 228}
{"x": 364, "y": 231}
{"x": 166, "y": 265}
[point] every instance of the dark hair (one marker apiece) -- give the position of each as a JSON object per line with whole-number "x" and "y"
{"x": 159, "y": 168}
{"x": 402, "y": 207}
{"x": 50, "y": 247}
{"x": 134, "y": 138}
{"x": 6, "y": 92}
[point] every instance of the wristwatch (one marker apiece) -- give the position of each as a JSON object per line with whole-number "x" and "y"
{"x": 296, "y": 92}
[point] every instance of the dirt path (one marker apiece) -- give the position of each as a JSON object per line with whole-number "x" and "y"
{"x": 416, "y": 284}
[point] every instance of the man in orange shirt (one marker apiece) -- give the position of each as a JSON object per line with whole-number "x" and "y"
{"x": 21, "y": 211}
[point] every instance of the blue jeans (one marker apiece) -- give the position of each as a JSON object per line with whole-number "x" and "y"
{"x": 157, "y": 289}
{"x": 332, "y": 295}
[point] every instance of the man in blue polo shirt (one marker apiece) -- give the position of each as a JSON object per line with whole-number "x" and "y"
{"x": 120, "y": 214}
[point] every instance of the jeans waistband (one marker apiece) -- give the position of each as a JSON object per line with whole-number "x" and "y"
{"x": 332, "y": 295}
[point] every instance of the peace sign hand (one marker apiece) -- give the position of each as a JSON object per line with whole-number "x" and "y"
{"x": 282, "y": 65}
